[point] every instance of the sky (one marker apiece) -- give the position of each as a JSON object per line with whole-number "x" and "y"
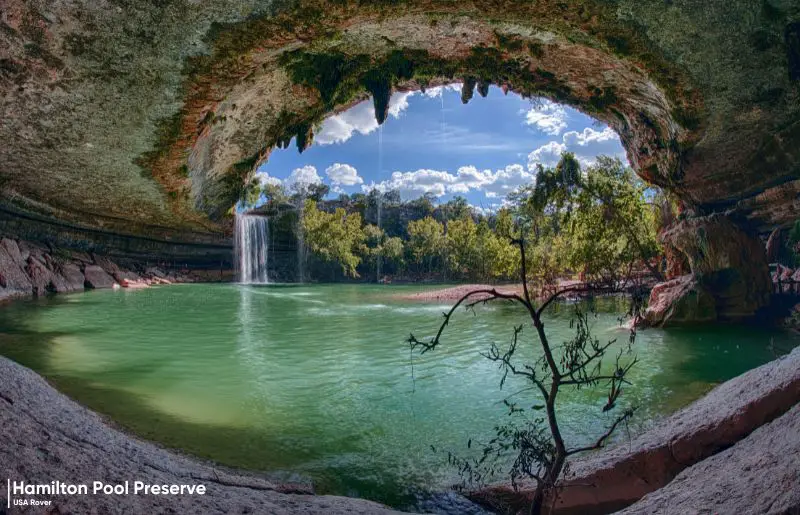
{"x": 431, "y": 142}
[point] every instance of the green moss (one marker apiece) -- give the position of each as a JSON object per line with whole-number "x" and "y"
{"x": 602, "y": 99}
{"x": 536, "y": 49}
{"x": 334, "y": 75}
{"x": 511, "y": 43}
{"x": 771, "y": 13}
{"x": 168, "y": 130}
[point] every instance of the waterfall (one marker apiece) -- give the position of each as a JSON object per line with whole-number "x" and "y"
{"x": 252, "y": 248}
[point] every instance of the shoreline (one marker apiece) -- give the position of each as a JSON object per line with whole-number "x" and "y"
{"x": 453, "y": 293}
{"x": 48, "y": 435}
{"x": 54, "y": 411}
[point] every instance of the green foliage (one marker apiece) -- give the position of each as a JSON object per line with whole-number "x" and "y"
{"x": 335, "y": 237}
{"x": 592, "y": 222}
{"x": 426, "y": 240}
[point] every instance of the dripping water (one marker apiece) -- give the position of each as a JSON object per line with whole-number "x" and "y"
{"x": 379, "y": 260}
{"x": 301, "y": 242}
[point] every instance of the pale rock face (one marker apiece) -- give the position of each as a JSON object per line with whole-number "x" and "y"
{"x": 682, "y": 465}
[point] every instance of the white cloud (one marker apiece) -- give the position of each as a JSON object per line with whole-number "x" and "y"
{"x": 399, "y": 103}
{"x": 507, "y": 180}
{"x": 419, "y": 182}
{"x": 466, "y": 179}
{"x": 343, "y": 175}
{"x": 302, "y": 177}
{"x": 548, "y": 117}
{"x": 359, "y": 118}
{"x": 265, "y": 178}
{"x": 437, "y": 91}
{"x": 548, "y": 155}
{"x": 586, "y": 145}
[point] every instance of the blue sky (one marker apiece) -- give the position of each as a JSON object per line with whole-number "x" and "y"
{"x": 431, "y": 142}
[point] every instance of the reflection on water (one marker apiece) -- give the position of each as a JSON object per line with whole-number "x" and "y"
{"x": 316, "y": 381}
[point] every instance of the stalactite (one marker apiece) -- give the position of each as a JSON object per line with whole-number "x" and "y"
{"x": 483, "y": 87}
{"x": 381, "y": 90}
{"x": 305, "y": 136}
{"x": 468, "y": 89}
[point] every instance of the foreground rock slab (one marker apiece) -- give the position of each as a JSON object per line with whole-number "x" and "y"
{"x": 44, "y": 436}
{"x": 760, "y": 474}
{"x": 616, "y": 478}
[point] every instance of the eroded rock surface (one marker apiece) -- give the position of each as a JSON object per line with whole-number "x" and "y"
{"x": 46, "y": 436}
{"x": 615, "y": 478}
{"x": 158, "y": 113}
{"x": 28, "y": 270}
{"x": 97, "y": 278}
{"x": 759, "y": 475}
{"x": 729, "y": 274}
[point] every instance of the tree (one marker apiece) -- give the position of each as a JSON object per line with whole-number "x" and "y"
{"x": 456, "y": 208}
{"x": 536, "y": 447}
{"x": 275, "y": 193}
{"x": 252, "y": 193}
{"x": 599, "y": 221}
{"x": 392, "y": 252}
{"x": 426, "y": 240}
{"x": 462, "y": 246}
{"x": 335, "y": 237}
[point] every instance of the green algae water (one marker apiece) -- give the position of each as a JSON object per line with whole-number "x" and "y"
{"x": 317, "y": 382}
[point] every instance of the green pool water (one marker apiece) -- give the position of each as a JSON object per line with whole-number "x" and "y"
{"x": 317, "y": 382}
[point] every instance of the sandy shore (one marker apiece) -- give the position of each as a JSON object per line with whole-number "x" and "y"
{"x": 453, "y": 293}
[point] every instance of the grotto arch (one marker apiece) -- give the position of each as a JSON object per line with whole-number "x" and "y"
{"x": 135, "y": 117}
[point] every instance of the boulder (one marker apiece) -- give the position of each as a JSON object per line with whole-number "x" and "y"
{"x": 12, "y": 276}
{"x": 774, "y": 245}
{"x": 134, "y": 284}
{"x": 614, "y": 478}
{"x": 97, "y": 278}
{"x": 760, "y": 474}
{"x": 106, "y": 264}
{"x": 679, "y": 301}
{"x": 43, "y": 280}
{"x": 28, "y": 249}
{"x": 12, "y": 248}
{"x": 126, "y": 275}
{"x": 727, "y": 262}
{"x": 155, "y": 272}
{"x": 73, "y": 277}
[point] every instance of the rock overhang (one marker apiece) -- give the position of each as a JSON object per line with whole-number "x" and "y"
{"x": 158, "y": 113}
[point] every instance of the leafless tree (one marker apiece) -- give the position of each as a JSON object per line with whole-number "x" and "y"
{"x": 538, "y": 449}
